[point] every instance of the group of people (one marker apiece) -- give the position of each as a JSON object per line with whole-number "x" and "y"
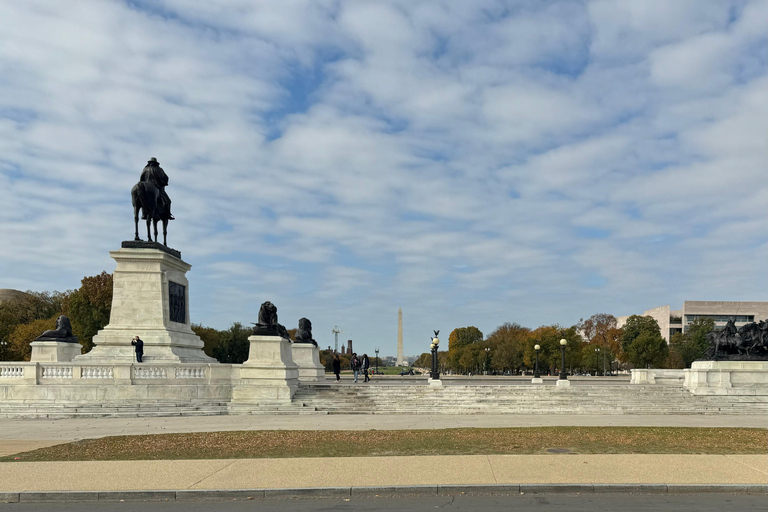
{"x": 357, "y": 364}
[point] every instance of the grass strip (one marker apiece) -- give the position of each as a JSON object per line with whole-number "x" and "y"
{"x": 369, "y": 443}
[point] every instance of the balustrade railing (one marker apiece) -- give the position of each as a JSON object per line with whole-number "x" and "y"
{"x": 149, "y": 372}
{"x": 56, "y": 372}
{"x": 11, "y": 372}
{"x": 97, "y": 372}
{"x": 195, "y": 372}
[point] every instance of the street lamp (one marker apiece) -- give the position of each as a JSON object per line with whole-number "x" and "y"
{"x": 377, "y": 359}
{"x": 597, "y": 352}
{"x": 563, "y": 376}
{"x": 3, "y": 345}
{"x": 536, "y": 373}
{"x": 435, "y": 373}
{"x": 487, "y": 357}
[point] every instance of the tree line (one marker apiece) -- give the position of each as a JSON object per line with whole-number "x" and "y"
{"x": 509, "y": 348}
{"x": 24, "y": 318}
{"x": 593, "y": 345}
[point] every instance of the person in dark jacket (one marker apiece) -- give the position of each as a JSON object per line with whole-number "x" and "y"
{"x": 354, "y": 363}
{"x": 366, "y": 363}
{"x": 139, "y": 345}
{"x": 337, "y": 367}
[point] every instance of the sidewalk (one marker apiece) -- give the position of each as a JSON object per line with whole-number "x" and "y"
{"x": 349, "y": 472}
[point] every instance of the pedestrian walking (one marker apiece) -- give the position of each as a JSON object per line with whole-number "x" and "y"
{"x": 139, "y": 347}
{"x": 366, "y": 364}
{"x": 354, "y": 363}
{"x": 337, "y": 367}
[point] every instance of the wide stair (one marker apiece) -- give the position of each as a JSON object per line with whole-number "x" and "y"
{"x": 128, "y": 409}
{"x": 490, "y": 399}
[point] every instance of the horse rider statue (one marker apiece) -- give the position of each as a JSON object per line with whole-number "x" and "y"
{"x": 149, "y": 196}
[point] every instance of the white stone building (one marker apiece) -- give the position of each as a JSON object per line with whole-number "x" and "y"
{"x": 672, "y": 321}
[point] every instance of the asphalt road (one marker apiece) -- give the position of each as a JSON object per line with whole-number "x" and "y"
{"x": 488, "y": 503}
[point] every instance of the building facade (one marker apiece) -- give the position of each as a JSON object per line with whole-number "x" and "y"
{"x": 673, "y": 321}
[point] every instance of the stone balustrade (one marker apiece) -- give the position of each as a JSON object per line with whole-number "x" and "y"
{"x": 117, "y": 373}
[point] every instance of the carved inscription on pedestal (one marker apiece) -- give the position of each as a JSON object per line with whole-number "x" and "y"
{"x": 177, "y": 303}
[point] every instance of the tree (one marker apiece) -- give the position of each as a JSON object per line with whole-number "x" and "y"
{"x": 548, "y": 337}
{"x": 233, "y": 345}
{"x": 507, "y": 345}
{"x": 459, "y": 341}
{"x": 647, "y": 350}
{"x": 210, "y": 336}
{"x": 687, "y": 347}
{"x": 601, "y": 332}
{"x": 28, "y": 307}
{"x": 89, "y": 306}
{"x": 19, "y": 348}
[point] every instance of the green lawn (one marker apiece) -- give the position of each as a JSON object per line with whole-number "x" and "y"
{"x": 461, "y": 441}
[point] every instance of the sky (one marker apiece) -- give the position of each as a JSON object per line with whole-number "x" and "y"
{"x": 472, "y": 163}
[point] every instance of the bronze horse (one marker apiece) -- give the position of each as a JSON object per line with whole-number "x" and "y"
{"x": 145, "y": 196}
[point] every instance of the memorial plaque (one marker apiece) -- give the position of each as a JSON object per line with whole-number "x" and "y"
{"x": 177, "y": 302}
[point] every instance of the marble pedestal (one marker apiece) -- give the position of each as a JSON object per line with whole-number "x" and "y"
{"x": 269, "y": 374}
{"x": 307, "y": 357}
{"x": 54, "y": 351}
{"x": 150, "y": 300}
{"x": 727, "y": 378}
{"x": 537, "y": 380}
{"x": 435, "y": 383}
{"x": 563, "y": 383}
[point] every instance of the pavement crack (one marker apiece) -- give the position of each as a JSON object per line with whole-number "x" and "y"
{"x": 491, "y": 466}
{"x": 212, "y": 474}
{"x": 759, "y": 470}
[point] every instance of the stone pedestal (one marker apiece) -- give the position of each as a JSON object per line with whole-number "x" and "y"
{"x": 536, "y": 380}
{"x": 150, "y": 300}
{"x": 269, "y": 374}
{"x": 435, "y": 383}
{"x": 307, "y": 357}
{"x": 727, "y": 378}
{"x": 54, "y": 351}
{"x": 563, "y": 383}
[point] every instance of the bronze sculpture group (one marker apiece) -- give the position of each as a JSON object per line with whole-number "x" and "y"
{"x": 748, "y": 342}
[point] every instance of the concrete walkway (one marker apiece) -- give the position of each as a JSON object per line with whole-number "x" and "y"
{"x": 383, "y": 471}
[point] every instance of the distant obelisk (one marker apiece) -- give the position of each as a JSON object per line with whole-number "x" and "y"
{"x": 400, "y": 337}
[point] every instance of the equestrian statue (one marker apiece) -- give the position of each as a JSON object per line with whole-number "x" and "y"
{"x": 149, "y": 196}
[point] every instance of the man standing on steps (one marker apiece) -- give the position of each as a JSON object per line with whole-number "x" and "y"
{"x": 136, "y": 342}
{"x": 354, "y": 363}
{"x": 366, "y": 365}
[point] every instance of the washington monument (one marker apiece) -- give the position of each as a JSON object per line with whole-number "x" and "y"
{"x": 400, "y": 337}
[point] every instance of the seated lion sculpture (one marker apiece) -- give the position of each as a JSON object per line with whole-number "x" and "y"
{"x": 63, "y": 332}
{"x": 304, "y": 333}
{"x": 267, "y": 324}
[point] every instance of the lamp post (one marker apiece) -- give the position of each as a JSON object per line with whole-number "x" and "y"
{"x": 597, "y": 352}
{"x": 563, "y": 380}
{"x": 3, "y": 345}
{"x": 487, "y": 357}
{"x": 377, "y": 359}
{"x": 536, "y": 372}
{"x": 435, "y": 374}
{"x": 603, "y": 363}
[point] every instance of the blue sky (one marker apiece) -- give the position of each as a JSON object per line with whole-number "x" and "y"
{"x": 471, "y": 162}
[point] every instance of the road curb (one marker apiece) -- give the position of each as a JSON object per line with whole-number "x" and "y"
{"x": 373, "y": 491}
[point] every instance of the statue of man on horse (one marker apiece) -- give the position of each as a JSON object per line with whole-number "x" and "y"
{"x": 149, "y": 196}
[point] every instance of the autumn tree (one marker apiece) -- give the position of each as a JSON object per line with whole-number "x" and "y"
{"x": 28, "y": 307}
{"x": 89, "y": 306}
{"x": 548, "y": 338}
{"x": 19, "y": 348}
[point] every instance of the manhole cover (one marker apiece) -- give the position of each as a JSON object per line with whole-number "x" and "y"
{"x": 558, "y": 450}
